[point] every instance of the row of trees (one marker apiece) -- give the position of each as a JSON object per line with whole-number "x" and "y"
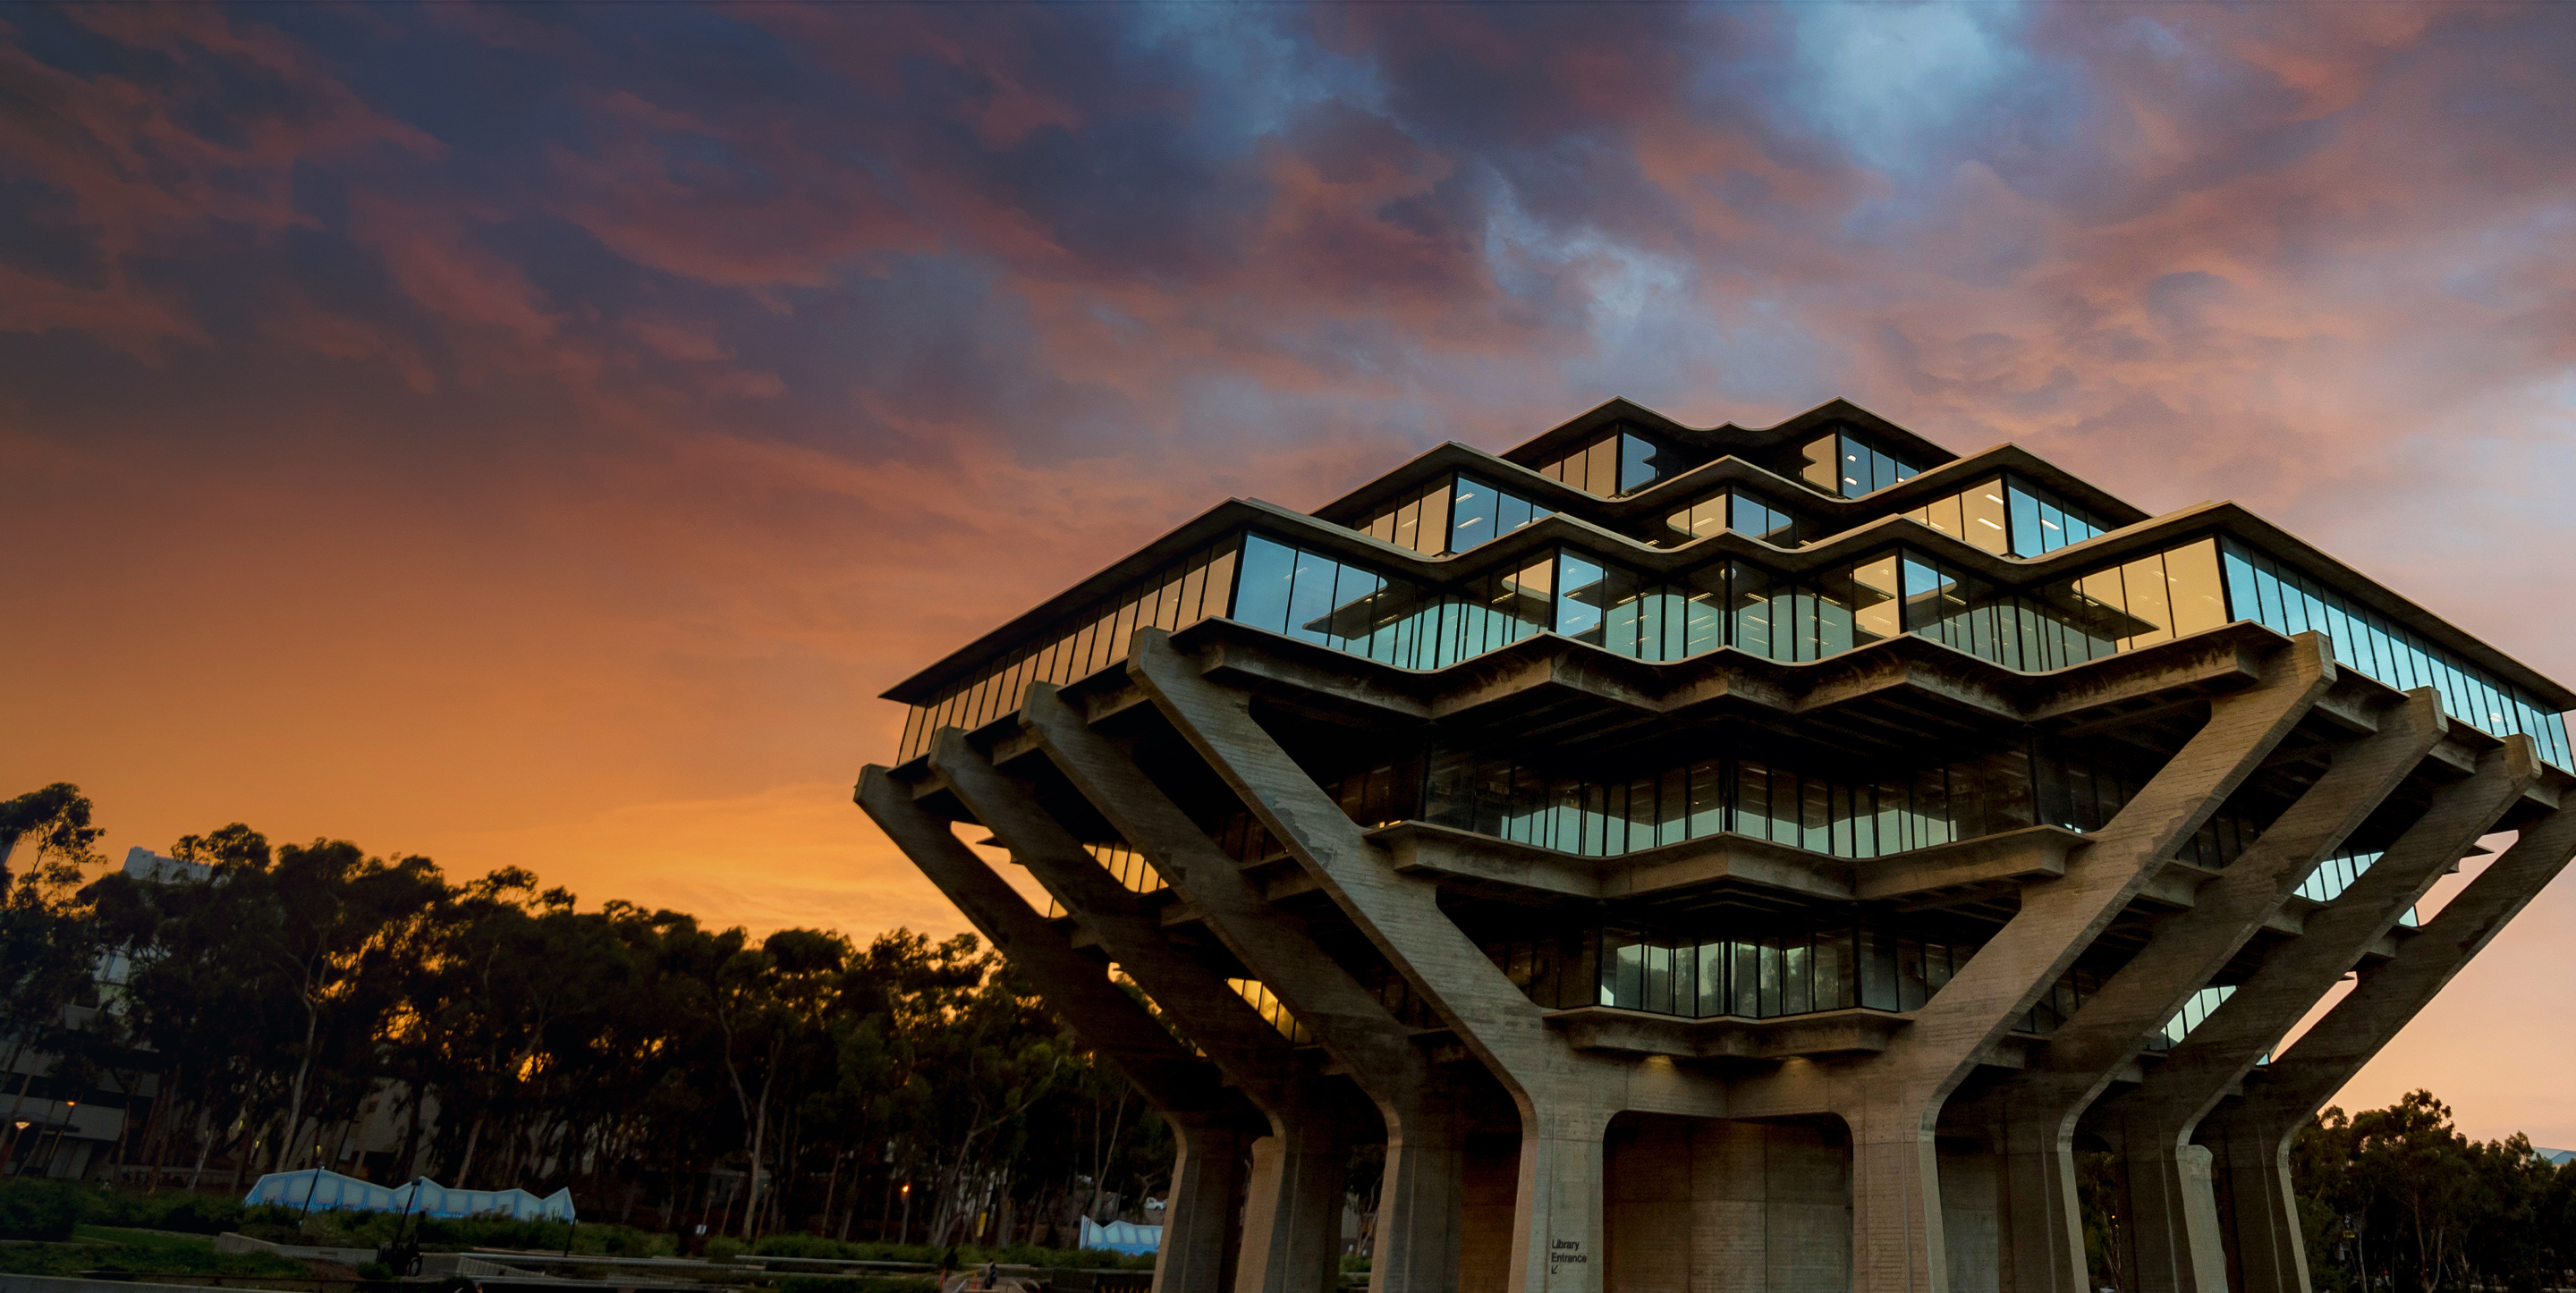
{"x": 286, "y": 996}
{"x": 2398, "y": 1199}
{"x": 671, "y": 1074}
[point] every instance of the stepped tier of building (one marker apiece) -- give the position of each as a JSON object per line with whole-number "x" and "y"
{"x": 1726, "y": 858}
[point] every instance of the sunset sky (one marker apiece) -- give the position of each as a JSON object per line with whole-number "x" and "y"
{"x": 535, "y": 434}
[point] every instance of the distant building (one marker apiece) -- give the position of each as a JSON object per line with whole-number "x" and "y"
{"x": 1734, "y": 857}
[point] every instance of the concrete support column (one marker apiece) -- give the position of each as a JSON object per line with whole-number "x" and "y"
{"x": 2158, "y": 1118}
{"x": 1897, "y": 1238}
{"x": 2255, "y": 1134}
{"x": 1210, "y": 1122}
{"x": 1558, "y": 1231}
{"x": 1556, "y": 1087}
{"x": 1418, "y": 1210}
{"x": 1420, "y": 1199}
{"x": 2037, "y": 1110}
{"x": 1295, "y": 1193}
{"x": 1202, "y": 1244}
{"x": 2250, "y": 1152}
{"x": 1892, "y": 1100}
{"x": 1292, "y": 1214}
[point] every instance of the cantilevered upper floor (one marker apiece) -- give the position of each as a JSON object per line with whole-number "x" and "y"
{"x": 1660, "y": 543}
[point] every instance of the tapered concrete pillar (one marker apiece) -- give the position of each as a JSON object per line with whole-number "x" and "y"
{"x": 2035, "y": 1112}
{"x": 1890, "y": 1102}
{"x": 1417, "y": 1233}
{"x": 1292, "y": 1213}
{"x": 1210, "y": 1123}
{"x": 1561, "y": 1092}
{"x": 2253, "y": 1135}
{"x": 1294, "y": 1199}
{"x": 1893, "y": 1100}
{"x": 1421, "y": 1196}
{"x": 2158, "y": 1118}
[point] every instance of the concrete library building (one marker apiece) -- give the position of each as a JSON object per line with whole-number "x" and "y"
{"x": 1731, "y": 858}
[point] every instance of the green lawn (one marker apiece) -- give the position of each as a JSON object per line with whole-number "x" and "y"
{"x": 110, "y": 1248}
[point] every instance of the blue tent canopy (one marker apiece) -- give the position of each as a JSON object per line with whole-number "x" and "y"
{"x": 1121, "y": 1237}
{"x": 323, "y": 1191}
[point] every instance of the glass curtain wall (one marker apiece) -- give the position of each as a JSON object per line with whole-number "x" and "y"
{"x": 1845, "y": 464}
{"x": 1451, "y": 515}
{"x": 2148, "y": 599}
{"x": 1839, "y": 966}
{"x": 1745, "y": 513}
{"x": 2336, "y": 874}
{"x": 2283, "y": 598}
{"x": 1194, "y": 588}
{"x": 2007, "y": 515}
{"x": 1845, "y": 816}
{"x": 1612, "y": 463}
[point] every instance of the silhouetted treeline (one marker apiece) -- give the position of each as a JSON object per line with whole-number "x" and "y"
{"x": 303, "y": 1004}
{"x": 2397, "y": 1199}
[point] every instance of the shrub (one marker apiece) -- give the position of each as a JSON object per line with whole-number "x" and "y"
{"x": 39, "y": 1209}
{"x": 855, "y": 1284}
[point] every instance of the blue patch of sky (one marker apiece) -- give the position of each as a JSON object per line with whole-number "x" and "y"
{"x": 1250, "y": 74}
{"x": 1898, "y": 85}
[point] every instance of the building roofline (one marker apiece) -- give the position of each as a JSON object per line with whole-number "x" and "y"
{"x": 1861, "y": 523}
{"x": 1726, "y": 437}
{"x": 1923, "y": 487}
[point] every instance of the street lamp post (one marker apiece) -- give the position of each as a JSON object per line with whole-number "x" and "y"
{"x": 10, "y": 1149}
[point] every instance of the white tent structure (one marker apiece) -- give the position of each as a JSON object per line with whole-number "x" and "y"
{"x": 1121, "y": 1236}
{"x": 322, "y": 1191}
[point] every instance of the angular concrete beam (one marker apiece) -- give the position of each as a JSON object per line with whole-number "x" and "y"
{"x": 2251, "y": 1139}
{"x": 1250, "y": 1050}
{"x": 1374, "y": 1047}
{"x": 2038, "y": 1108}
{"x": 1290, "y": 1241}
{"x": 2175, "y": 1212}
{"x": 1892, "y": 1101}
{"x": 1566, "y": 1097}
{"x": 2297, "y": 973}
{"x": 1212, "y": 1125}
{"x": 1831, "y": 1032}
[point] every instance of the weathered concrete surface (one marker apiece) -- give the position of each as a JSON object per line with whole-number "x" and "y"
{"x": 1212, "y": 1125}
{"x": 1291, "y": 1228}
{"x": 2250, "y": 1138}
{"x": 1892, "y": 1100}
{"x": 1419, "y": 1201}
{"x": 2175, "y": 1223}
{"x": 1713, "y": 1206}
{"x": 2034, "y": 1114}
{"x": 1566, "y": 1097}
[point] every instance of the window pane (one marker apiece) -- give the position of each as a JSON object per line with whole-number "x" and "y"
{"x": 1220, "y": 588}
{"x": 1408, "y": 525}
{"x": 1750, "y": 600}
{"x": 1823, "y": 465}
{"x": 1981, "y": 516}
{"x": 2191, "y": 573}
{"x": 1431, "y": 538}
{"x": 1578, "y": 611}
{"x": 1601, "y": 466}
{"x": 1310, "y": 597}
{"x": 2025, "y": 522}
{"x": 1268, "y": 570}
{"x": 1877, "y": 606}
{"x": 2144, "y": 581}
{"x": 1472, "y": 520}
{"x": 1636, "y": 463}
